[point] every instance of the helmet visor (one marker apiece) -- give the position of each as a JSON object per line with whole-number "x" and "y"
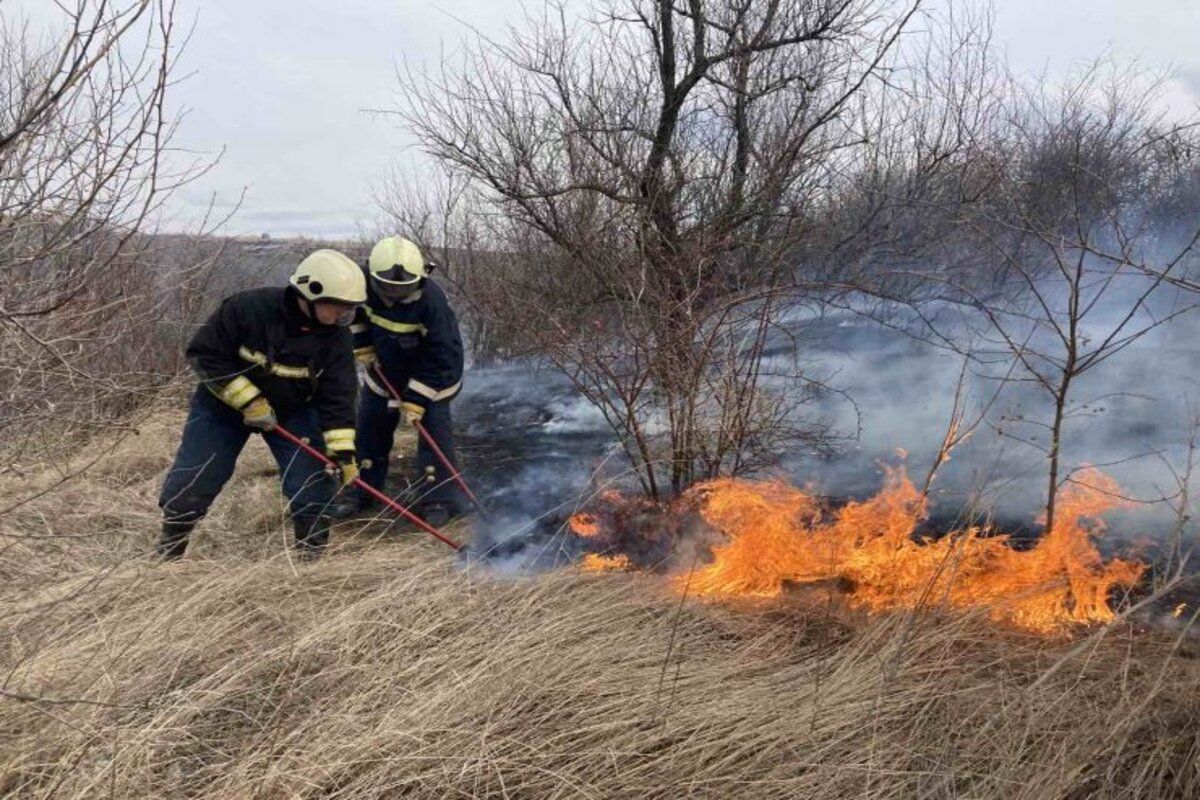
{"x": 394, "y": 289}
{"x": 396, "y": 275}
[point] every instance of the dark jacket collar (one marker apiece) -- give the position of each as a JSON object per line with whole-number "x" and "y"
{"x": 295, "y": 320}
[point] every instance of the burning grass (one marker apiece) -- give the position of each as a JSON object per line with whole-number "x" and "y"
{"x": 391, "y": 670}
{"x": 774, "y": 534}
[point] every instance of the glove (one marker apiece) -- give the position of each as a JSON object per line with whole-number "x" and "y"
{"x": 365, "y": 357}
{"x": 413, "y": 413}
{"x": 259, "y": 415}
{"x": 345, "y": 469}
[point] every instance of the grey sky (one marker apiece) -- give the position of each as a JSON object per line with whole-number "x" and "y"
{"x": 282, "y": 86}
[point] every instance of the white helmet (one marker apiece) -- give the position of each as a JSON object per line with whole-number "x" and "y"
{"x": 329, "y": 275}
{"x": 397, "y": 262}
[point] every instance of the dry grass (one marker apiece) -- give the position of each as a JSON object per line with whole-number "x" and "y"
{"x": 389, "y": 669}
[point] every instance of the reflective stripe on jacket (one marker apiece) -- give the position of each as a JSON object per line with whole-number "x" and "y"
{"x": 417, "y": 343}
{"x": 260, "y": 342}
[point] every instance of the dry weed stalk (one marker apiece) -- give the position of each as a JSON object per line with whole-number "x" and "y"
{"x": 388, "y": 670}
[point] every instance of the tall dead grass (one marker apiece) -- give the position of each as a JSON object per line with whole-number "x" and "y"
{"x": 390, "y": 669}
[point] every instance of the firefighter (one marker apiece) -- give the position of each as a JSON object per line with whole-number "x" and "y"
{"x": 408, "y": 332}
{"x": 277, "y": 355}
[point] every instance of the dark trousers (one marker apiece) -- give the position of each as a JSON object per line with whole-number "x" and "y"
{"x": 214, "y": 436}
{"x": 377, "y": 433}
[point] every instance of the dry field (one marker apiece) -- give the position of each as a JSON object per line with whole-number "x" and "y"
{"x": 389, "y": 669}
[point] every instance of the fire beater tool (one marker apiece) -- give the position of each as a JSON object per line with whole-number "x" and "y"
{"x": 437, "y": 451}
{"x": 368, "y": 488}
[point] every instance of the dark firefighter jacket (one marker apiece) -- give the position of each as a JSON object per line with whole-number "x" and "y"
{"x": 417, "y": 344}
{"x": 260, "y": 342}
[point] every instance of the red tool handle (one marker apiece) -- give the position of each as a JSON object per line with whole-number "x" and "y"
{"x": 368, "y": 488}
{"x": 437, "y": 451}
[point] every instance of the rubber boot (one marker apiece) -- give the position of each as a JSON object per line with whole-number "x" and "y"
{"x": 172, "y": 542}
{"x": 437, "y": 513}
{"x": 351, "y": 503}
{"x": 312, "y": 535}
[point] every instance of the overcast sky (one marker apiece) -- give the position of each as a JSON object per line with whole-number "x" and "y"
{"x": 282, "y": 88}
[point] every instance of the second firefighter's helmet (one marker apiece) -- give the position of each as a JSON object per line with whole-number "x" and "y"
{"x": 397, "y": 262}
{"x": 329, "y": 275}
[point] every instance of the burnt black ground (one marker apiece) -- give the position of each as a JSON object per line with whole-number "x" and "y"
{"x": 535, "y": 452}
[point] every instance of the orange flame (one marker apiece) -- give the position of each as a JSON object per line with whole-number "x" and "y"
{"x": 1179, "y": 609}
{"x": 593, "y": 562}
{"x": 777, "y": 535}
{"x": 585, "y": 525}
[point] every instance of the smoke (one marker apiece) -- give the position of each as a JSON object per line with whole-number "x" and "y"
{"x": 1129, "y": 416}
{"x": 531, "y": 448}
{"x": 537, "y": 452}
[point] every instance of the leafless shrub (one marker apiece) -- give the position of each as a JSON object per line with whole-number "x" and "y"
{"x": 83, "y": 132}
{"x": 444, "y": 214}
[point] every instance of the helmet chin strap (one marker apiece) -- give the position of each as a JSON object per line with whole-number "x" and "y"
{"x": 310, "y": 309}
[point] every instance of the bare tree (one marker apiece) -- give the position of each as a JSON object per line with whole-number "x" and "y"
{"x": 1083, "y": 172}
{"x": 83, "y": 133}
{"x": 1060, "y": 259}
{"x": 653, "y": 170}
